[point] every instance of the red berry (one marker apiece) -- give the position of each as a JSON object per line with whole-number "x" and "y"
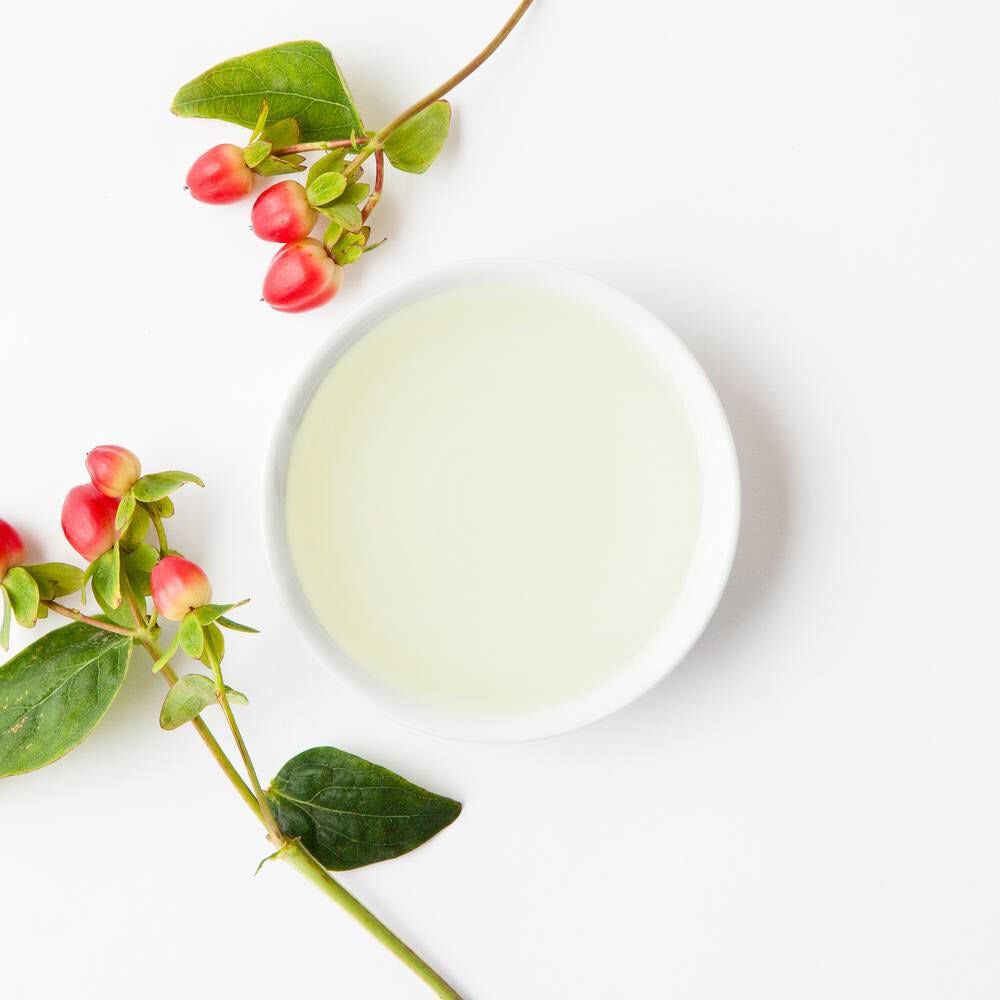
{"x": 88, "y": 521}
{"x": 282, "y": 213}
{"x": 220, "y": 175}
{"x": 301, "y": 277}
{"x": 178, "y": 585}
{"x": 113, "y": 469}
{"x": 11, "y": 548}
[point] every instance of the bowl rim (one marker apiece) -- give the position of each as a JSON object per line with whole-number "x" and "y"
{"x": 711, "y": 563}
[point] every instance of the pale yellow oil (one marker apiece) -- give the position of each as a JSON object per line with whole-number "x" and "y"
{"x": 493, "y": 499}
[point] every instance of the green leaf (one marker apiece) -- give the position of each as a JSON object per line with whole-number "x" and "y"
{"x": 5, "y": 624}
{"x": 333, "y": 233}
{"x": 56, "y": 579}
{"x": 354, "y": 193}
{"x": 275, "y": 165}
{"x": 326, "y": 164}
{"x": 192, "y": 636}
{"x": 215, "y": 645}
{"x": 325, "y": 189}
{"x": 157, "y": 485}
{"x": 256, "y": 153}
{"x": 189, "y": 697}
{"x": 349, "y": 812}
{"x": 107, "y": 580}
{"x": 53, "y": 693}
{"x": 284, "y": 132}
{"x": 126, "y": 508}
{"x": 24, "y": 596}
{"x": 414, "y": 145}
{"x": 135, "y": 534}
{"x": 297, "y": 79}
{"x": 348, "y": 216}
{"x": 236, "y": 626}
{"x": 168, "y": 653}
{"x": 350, "y": 246}
{"x": 138, "y": 565}
{"x": 209, "y": 613}
{"x": 164, "y": 507}
{"x": 261, "y": 122}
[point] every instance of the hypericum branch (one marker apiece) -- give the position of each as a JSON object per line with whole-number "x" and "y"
{"x": 375, "y": 196}
{"x": 79, "y": 616}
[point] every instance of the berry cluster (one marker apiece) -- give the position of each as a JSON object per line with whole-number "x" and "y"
{"x": 306, "y": 272}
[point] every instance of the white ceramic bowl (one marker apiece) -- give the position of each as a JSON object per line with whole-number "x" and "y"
{"x": 714, "y": 549}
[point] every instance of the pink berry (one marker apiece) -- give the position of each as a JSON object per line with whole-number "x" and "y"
{"x": 88, "y": 521}
{"x": 11, "y": 548}
{"x": 178, "y": 585}
{"x": 113, "y": 469}
{"x": 301, "y": 277}
{"x": 220, "y": 175}
{"x": 282, "y": 213}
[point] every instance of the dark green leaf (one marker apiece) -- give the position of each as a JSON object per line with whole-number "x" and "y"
{"x": 53, "y": 693}
{"x": 349, "y": 812}
{"x": 135, "y": 533}
{"x": 284, "y": 132}
{"x": 157, "y": 485}
{"x": 326, "y": 164}
{"x": 209, "y": 613}
{"x": 275, "y": 165}
{"x": 56, "y": 579}
{"x": 415, "y": 144}
{"x": 125, "y": 509}
{"x": 191, "y": 695}
{"x": 348, "y": 216}
{"x": 298, "y": 80}
{"x": 325, "y": 189}
{"x": 215, "y": 646}
{"x": 5, "y": 623}
{"x": 192, "y": 637}
{"x": 256, "y": 153}
{"x": 236, "y": 626}
{"x": 24, "y": 595}
{"x": 138, "y": 565}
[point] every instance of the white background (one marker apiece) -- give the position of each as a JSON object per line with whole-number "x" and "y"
{"x": 808, "y": 194}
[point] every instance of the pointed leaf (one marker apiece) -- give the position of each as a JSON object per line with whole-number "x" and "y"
{"x": 415, "y": 144}
{"x": 5, "y": 624}
{"x": 189, "y": 697}
{"x": 215, "y": 645}
{"x": 348, "y": 216}
{"x": 53, "y": 693}
{"x": 192, "y": 637}
{"x": 106, "y": 584}
{"x": 24, "y": 595}
{"x": 209, "y": 613}
{"x": 333, "y": 233}
{"x": 326, "y": 164}
{"x": 297, "y": 79}
{"x": 168, "y": 653}
{"x": 125, "y": 510}
{"x": 349, "y": 812}
{"x": 56, "y": 579}
{"x": 284, "y": 132}
{"x": 275, "y": 165}
{"x": 157, "y": 485}
{"x": 236, "y": 626}
{"x": 138, "y": 565}
{"x": 256, "y": 153}
{"x": 326, "y": 188}
{"x": 261, "y": 122}
{"x": 138, "y": 527}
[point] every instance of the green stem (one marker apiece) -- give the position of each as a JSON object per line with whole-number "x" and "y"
{"x": 267, "y": 816}
{"x": 309, "y": 147}
{"x": 161, "y": 535}
{"x": 455, "y": 80}
{"x": 303, "y": 862}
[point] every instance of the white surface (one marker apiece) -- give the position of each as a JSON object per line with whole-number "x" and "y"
{"x": 808, "y": 805}
{"x": 545, "y": 630}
